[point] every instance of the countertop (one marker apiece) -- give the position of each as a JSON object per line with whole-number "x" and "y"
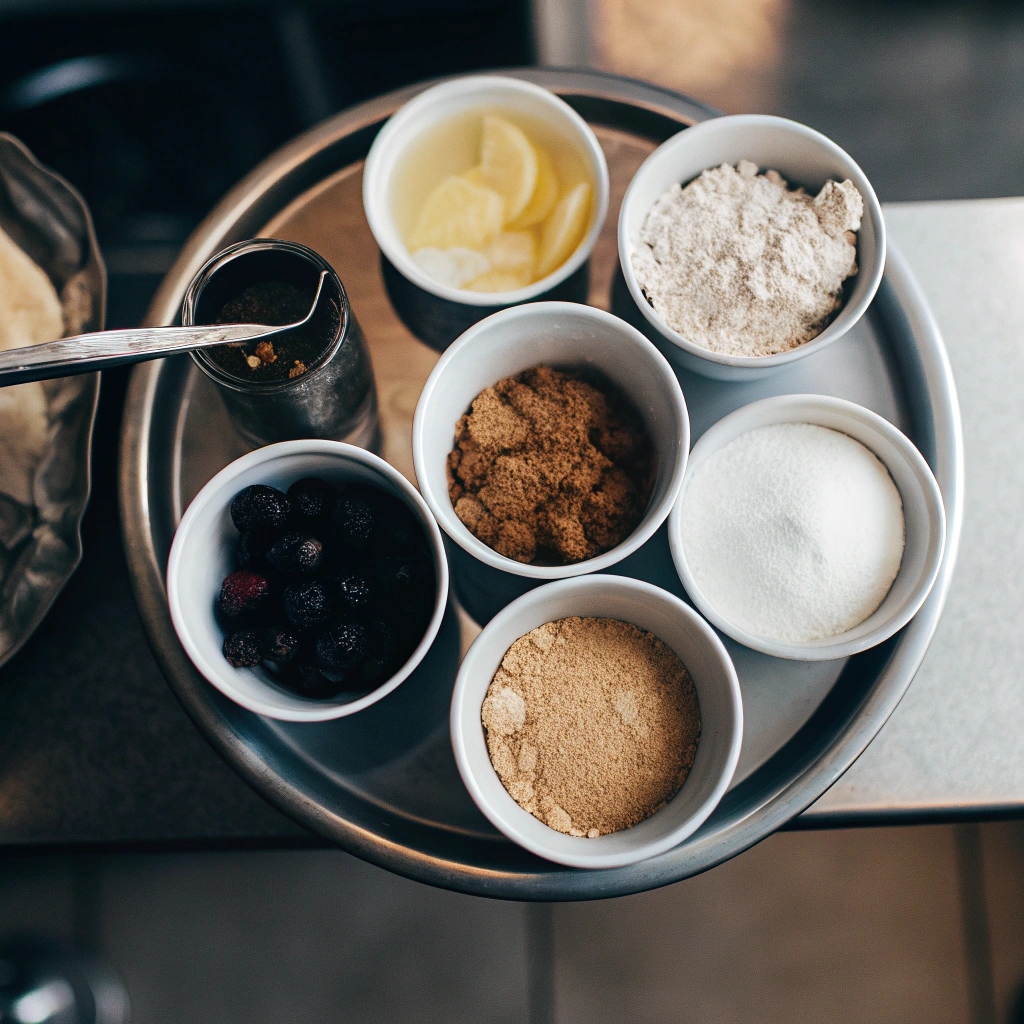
{"x": 955, "y": 744}
{"x": 96, "y": 752}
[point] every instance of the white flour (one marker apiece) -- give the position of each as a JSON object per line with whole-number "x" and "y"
{"x": 793, "y": 531}
{"x": 738, "y": 264}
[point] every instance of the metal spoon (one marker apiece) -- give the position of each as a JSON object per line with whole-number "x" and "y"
{"x": 102, "y": 349}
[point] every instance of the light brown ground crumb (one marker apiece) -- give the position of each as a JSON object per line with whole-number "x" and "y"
{"x": 265, "y": 351}
{"x": 592, "y": 724}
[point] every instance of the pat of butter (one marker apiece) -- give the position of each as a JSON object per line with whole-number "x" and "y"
{"x": 454, "y": 267}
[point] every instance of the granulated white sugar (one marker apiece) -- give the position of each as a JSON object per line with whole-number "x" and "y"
{"x": 794, "y": 532}
{"x": 740, "y": 264}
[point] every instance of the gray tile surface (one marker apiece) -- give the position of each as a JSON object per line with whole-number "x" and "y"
{"x": 312, "y": 936}
{"x": 1003, "y": 877}
{"x": 844, "y": 926}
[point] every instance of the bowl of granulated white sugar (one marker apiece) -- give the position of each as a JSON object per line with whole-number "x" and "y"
{"x": 807, "y": 528}
{"x": 748, "y": 242}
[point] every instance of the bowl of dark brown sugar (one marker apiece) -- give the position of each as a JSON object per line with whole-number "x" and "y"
{"x": 549, "y": 441}
{"x": 597, "y": 721}
{"x": 746, "y": 243}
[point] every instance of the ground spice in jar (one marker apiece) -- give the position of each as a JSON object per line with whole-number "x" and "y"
{"x": 550, "y": 468}
{"x": 592, "y": 724}
{"x": 284, "y": 356}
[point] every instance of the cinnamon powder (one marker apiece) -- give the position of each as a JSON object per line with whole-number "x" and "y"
{"x": 592, "y": 724}
{"x": 548, "y": 467}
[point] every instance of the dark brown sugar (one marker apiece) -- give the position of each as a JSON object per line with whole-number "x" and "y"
{"x": 549, "y": 467}
{"x": 285, "y": 356}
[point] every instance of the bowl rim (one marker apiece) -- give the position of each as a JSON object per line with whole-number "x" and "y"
{"x": 378, "y": 213}
{"x": 201, "y": 504}
{"x": 851, "y": 311}
{"x": 453, "y": 526}
{"x": 468, "y": 766}
{"x": 830, "y": 648}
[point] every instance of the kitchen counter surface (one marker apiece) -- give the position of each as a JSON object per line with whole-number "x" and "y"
{"x": 96, "y": 751}
{"x": 955, "y": 744}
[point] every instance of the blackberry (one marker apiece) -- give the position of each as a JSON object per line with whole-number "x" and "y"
{"x": 296, "y": 554}
{"x": 259, "y": 506}
{"x": 281, "y": 645}
{"x": 243, "y": 649}
{"x": 306, "y": 603}
{"x": 354, "y": 520}
{"x": 252, "y": 549}
{"x": 242, "y": 593}
{"x": 343, "y": 646}
{"x": 312, "y": 500}
{"x": 353, "y": 592}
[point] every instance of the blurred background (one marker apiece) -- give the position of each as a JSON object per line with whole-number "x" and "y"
{"x": 154, "y": 108}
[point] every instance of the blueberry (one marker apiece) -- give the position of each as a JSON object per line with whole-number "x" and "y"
{"x": 306, "y": 603}
{"x": 259, "y": 506}
{"x": 374, "y": 672}
{"x": 312, "y": 500}
{"x": 399, "y": 525}
{"x": 252, "y": 548}
{"x": 308, "y": 681}
{"x": 354, "y": 520}
{"x": 408, "y": 620}
{"x": 243, "y": 649}
{"x": 296, "y": 554}
{"x": 281, "y": 645}
{"x": 353, "y": 592}
{"x": 343, "y": 646}
{"x": 383, "y": 641}
{"x": 400, "y": 576}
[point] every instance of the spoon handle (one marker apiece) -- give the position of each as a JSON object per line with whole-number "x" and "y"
{"x": 103, "y": 349}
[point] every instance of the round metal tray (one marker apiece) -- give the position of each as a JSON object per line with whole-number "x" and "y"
{"x": 383, "y": 784}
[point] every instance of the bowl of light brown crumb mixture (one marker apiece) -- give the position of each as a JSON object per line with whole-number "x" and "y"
{"x": 597, "y": 721}
{"x": 550, "y": 441}
{"x": 748, "y": 242}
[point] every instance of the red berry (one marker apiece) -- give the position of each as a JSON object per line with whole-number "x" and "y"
{"x": 242, "y": 593}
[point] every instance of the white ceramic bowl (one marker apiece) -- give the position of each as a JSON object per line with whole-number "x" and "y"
{"x": 419, "y": 117}
{"x": 202, "y": 554}
{"x": 803, "y": 157}
{"x": 565, "y": 335}
{"x": 923, "y": 514}
{"x": 718, "y": 694}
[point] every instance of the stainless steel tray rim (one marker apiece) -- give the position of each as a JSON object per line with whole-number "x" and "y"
{"x": 514, "y": 875}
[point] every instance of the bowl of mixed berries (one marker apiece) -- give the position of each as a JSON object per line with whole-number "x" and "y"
{"x": 307, "y": 580}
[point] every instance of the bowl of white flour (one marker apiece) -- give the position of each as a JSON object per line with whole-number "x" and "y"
{"x": 748, "y": 242}
{"x": 807, "y": 527}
